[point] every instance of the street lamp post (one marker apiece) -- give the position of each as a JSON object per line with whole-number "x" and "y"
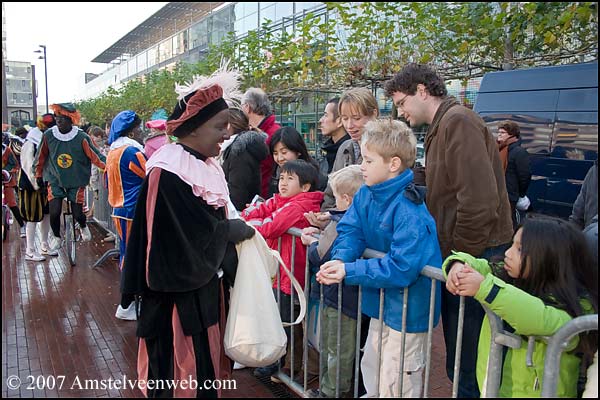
{"x": 45, "y": 71}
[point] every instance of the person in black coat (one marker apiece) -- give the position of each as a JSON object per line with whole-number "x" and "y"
{"x": 515, "y": 160}
{"x": 241, "y": 159}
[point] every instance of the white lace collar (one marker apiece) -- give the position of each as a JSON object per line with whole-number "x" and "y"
{"x": 65, "y": 137}
{"x": 125, "y": 141}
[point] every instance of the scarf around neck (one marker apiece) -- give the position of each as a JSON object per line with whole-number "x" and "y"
{"x": 503, "y": 148}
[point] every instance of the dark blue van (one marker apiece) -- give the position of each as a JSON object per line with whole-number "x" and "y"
{"x": 557, "y": 110}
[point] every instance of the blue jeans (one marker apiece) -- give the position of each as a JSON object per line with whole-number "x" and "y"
{"x": 467, "y": 386}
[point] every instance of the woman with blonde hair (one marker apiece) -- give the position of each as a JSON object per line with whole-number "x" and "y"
{"x": 356, "y": 107}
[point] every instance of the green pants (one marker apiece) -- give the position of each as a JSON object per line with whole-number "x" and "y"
{"x": 329, "y": 357}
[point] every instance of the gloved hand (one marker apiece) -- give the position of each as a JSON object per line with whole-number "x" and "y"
{"x": 239, "y": 231}
{"x": 40, "y": 182}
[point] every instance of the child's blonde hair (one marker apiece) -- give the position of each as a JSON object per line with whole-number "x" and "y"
{"x": 360, "y": 98}
{"x": 346, "y": 180}
{"x": 391, "y": 138}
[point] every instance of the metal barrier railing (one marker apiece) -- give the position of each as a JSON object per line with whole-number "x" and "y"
{"x": 499, "y": 339}
{"x": 102, "y": 212}
{"x": 435, "y": 274}
{"x": 557, "y": 344}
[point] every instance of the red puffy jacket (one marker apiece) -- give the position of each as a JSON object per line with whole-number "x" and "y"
{"x": 277, "y": 215}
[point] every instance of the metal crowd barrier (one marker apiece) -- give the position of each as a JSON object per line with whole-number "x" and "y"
{"x": 500, "y": 339}
{"x": 557, "y": 343}
{"x": 435, "y": 274}
{"x": 102, "y": 217}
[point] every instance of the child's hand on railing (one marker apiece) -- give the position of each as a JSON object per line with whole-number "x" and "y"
{"x": 452, "y": 280}
{"x": 320, "y": 219}
{"x": 331, "y": 272}
{"x": 469, "y": 281}
{"x": 307, "y": 235}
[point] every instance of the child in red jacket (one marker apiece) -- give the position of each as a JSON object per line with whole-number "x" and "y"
{"x": 274, "y": 217}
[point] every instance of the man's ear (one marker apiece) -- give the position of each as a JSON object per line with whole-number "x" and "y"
{"x": 395, "y": 164}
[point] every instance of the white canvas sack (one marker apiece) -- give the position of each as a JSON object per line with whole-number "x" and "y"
{"x": 254, "y": 334}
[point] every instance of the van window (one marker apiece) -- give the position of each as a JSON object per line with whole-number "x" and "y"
{"x": 540, "y": 100}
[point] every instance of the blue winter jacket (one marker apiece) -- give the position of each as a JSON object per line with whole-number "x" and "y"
{"x": 391, "y": 217}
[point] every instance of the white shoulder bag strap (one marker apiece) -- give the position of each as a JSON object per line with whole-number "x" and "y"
{"x": 297, "y": 287}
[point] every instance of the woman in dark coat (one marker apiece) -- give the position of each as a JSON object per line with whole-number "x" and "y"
{"x": 241, "y": 159}
{"x": 515, "y": 161}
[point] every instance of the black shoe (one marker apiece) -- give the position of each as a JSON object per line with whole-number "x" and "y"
{"x": 265, "y": 372}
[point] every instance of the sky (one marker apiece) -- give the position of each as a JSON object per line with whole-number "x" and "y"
{"x": 73, "y": 33}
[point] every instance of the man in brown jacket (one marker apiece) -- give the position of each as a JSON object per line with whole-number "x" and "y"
{"x": 466, "y": 194}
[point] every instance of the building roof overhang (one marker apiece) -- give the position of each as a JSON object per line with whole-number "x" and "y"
{"x": 167, "y": 21}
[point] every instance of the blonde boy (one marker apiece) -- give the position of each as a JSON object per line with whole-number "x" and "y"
{"x": 344, "y": 183}
{"x": 388, "y": 215}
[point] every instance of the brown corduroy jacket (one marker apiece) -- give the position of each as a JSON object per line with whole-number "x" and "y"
{"x": 466, "y": 189}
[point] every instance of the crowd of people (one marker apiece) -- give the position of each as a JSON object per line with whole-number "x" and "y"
{"x": 219, "y": 169}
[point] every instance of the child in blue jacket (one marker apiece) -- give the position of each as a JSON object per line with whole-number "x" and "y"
{"x": 388, "y": 215}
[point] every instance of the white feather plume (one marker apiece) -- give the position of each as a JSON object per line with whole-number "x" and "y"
{"x": 229, "y": 80}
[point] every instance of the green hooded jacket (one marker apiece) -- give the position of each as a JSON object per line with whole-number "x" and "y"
{"x": 529, "y": 316}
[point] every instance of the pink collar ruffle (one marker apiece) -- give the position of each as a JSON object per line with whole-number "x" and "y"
{"x": 206, "y": 178}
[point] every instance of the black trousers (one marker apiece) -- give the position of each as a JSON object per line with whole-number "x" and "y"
{"x": 474, "y": 313}
{"x": 56, "y": 211}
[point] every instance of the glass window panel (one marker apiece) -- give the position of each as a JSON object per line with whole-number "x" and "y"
{"x": 165, "y": 50}
{"x": 123, "y": 70}
{"x": 238, "y": 25}
{"x": 175, "y": 45}
{"x": 199, "y": 34}
{"x": 251, "y": 22}
{"x": 142, "y": 62}
{"x": 284, "y": 9}
{"x": 238, "y": 11}
{"x": 132, "y": 66}
{"x": 152, "y": 56}
{"x": 267, "y": 14}
{"x": 250, "y": 8}
{"x": 221, "y": 26}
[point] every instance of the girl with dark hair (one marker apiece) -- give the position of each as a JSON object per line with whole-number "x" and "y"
{"x": 550, "y": 280}
{"x": 287, "y": 144}
{"x": 242, "y": 158}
